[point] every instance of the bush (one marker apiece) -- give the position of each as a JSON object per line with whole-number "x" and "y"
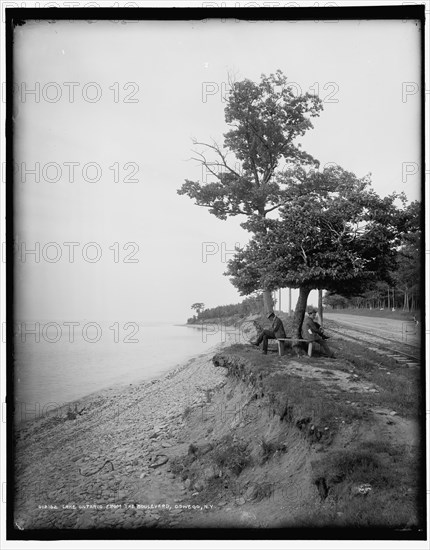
{"x": 231, "y": 456}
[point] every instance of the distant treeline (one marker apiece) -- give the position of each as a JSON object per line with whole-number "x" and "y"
{"x": 249, "y": 306}
{"x": 381, "y": 297}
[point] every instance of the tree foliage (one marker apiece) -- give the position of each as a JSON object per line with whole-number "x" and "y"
{"x": 264, "y": 119}
{"x": 335, "y": 301}
{"x": 402, "y": 290}
{"x": 259, "y": 155}
{"x": 334, "y": 233}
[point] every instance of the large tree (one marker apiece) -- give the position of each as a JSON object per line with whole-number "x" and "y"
{"x": 334, "y": 233}
{"x": 251, "y": 171}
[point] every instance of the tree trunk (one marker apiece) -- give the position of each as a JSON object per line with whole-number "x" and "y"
{"x": 406, "y": 301}
{"x": 268, "y": 302}
{"x": 320, "y": 306}
{"x": 299, "y": 312}
{"x": 267, "y": 294}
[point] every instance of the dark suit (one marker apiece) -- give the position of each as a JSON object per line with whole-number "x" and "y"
{"x": 277, "y": 331}
{"x": 311, "y": 331}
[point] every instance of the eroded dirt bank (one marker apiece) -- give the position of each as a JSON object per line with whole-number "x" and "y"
{"x": 244, "y": 440}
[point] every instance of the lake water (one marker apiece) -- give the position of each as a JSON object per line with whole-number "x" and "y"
{"x": 68, "y": 362}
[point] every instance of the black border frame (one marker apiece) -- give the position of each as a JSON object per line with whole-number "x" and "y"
{"x": 18, "y": 16}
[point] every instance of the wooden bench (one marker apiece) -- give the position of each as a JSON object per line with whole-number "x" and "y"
{"x": 281, "y": 347}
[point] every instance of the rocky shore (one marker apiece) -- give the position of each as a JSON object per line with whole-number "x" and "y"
{"x": 105, "y": 461}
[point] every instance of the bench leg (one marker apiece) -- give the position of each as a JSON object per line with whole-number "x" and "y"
{"x": 310, "y": 349}
{"x": 280, "y": 348}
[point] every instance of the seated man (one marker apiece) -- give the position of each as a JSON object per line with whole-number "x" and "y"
{"x": 277, "y": 331}
{"x": 312, "y": 332}
{"x": 317, "y": 320}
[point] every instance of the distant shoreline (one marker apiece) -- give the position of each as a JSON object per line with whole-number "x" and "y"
{"x": 62, "y": 409}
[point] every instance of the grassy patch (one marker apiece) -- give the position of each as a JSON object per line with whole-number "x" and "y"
{"x": 362, "y": 358}
{"x": 375, "y": 510}
{"x": 402, "y": 388}
{"x": 309, "y": 399}
{"x": 214, "y": 475}
{"x": 352, "y": 466}
{"x": 237, "y": 348}
{"x": 305, "y": 401}
{"x": 181, "y": 466}
{"x": 391, "y": 473}
{"x": 231, "y": 456}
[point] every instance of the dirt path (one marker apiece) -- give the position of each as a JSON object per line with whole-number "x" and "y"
{"x": 403, "y": 331}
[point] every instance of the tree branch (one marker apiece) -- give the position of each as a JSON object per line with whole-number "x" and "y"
{"x": 266, "y": 211}
{"x": 216, "y": 148}
{"x": 304, "y": 255}
{"x": 251, "y": 158}
{"x": 205, "y": 163}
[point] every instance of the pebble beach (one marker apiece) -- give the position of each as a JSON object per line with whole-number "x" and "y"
{"x": 105, "y": 462}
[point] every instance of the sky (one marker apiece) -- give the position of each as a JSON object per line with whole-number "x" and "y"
{"x": 104, "y": 141}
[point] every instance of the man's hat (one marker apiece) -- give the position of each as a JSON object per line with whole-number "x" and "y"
{"x": 312, "y": 309}
{"x": 270, "y": 314}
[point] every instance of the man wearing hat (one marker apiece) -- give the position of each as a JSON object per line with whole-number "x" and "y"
{"x": 277, "y": 331}
{"x": 312, "y": 331}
